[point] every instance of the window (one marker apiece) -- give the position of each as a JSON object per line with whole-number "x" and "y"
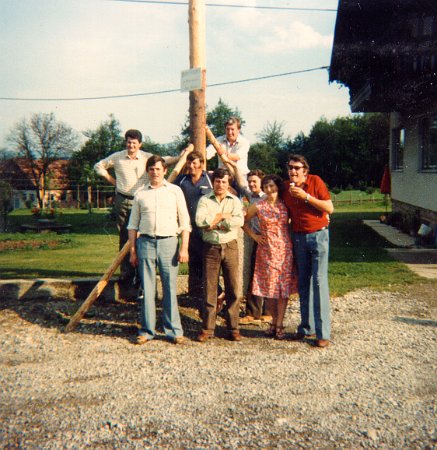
{"x": 397, "y": 148}
{"x": 428, "y": 143}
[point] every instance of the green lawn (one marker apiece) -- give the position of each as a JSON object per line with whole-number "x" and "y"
{"x": 358, "y": 258}
{"x": 85, "y": 252}
{"x": 356, "y": 196}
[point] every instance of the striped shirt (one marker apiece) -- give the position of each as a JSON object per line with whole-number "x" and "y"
{"x": 130, "y": 173}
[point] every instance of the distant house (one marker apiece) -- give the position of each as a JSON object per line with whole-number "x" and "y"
{"x": 385, "y": 52}
{"x": 18, "y": 174}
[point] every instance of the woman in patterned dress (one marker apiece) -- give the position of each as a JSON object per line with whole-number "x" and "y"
{"x": 273, "y": 277}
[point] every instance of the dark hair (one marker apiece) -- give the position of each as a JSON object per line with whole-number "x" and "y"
{"x": 133, "y": 134}
{"x": 153, "y": 160}
{"x": 195, "y": 155}
{"x": 256, "y": 173}
{"x": 221, "y": 172}
{"x": 233, "y": 120}
{"x": 301, "y": 159}
{"x": 276, "y": 179}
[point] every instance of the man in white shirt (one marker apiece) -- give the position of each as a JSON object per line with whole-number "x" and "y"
{"x": 234, "y": 145}
{"x": 130, "y": 175}
{"x": 159, "y": 214}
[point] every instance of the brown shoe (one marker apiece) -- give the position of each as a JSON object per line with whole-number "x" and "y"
{"x": 235, "y": 336}
{"x": 204, "y": 336}
{"x": 266, "y": 319}
{"x": 300, "y": 336}
{"x": 322, "y": 343}
{"x": 178, "y": 340}
{"x": 141, "y": 339}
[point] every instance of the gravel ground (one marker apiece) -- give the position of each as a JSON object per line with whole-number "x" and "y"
{"x": 375, "y": 386}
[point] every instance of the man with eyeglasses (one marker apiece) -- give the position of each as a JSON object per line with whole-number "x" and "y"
{"x": 309, "y": 204}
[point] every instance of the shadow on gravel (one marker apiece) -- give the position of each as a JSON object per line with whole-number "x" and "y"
{"x": 413, "y": 321}
{"x": 116, "y": 318}
{"x": 113, "y": 318}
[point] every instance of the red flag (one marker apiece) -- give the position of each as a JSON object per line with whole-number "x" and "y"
{"x": 386, "y": 182}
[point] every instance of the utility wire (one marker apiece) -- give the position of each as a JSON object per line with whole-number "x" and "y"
{"x": 167, "y": 91}
{"x": 278, "y": 8}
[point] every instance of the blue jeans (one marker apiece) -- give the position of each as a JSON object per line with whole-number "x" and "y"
{"x": 161, "y": 253}
{"x": 311, "y": 252}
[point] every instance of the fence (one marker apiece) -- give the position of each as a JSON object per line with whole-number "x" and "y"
{"x": 357, "y": 197}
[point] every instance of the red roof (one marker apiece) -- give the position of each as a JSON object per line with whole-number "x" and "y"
{"x": 18, "y": 173}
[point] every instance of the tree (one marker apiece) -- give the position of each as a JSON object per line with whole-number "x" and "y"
{"x": 41, "y": 141}
{"x": 266, "y": 155}
{"x": 217, "y": 117}
{"x": 273, "y": 134}
{"x": 347, "y": 151}
{"x": 215, "y": 120}
{"x": 102, "y": 142}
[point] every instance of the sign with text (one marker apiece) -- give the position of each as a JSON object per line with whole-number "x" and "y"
{"x": 191, "y": 79}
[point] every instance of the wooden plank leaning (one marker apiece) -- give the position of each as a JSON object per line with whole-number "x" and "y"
{"x": 180, "y": 164}
{"x": 230, "y": 165}
{"x": 98, "y": 288}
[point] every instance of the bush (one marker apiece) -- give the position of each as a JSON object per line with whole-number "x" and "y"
{"x": 370, "y": 190}
{"x": 336, "y": 190}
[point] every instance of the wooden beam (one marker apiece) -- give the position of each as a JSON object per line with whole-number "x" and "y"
{"x": 196, "y": 20}
{"x": 98, "y": 288}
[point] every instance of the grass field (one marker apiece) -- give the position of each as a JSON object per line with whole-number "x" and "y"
{"x": 358, "y": 258}
{"x": 85, "y": 252}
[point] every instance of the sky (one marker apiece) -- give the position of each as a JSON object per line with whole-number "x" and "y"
{"x": 60, "y": 49}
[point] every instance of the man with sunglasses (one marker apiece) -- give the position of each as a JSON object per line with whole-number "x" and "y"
{"x": 309, "y": 204}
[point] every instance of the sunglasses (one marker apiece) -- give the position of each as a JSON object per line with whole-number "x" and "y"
{"x": 296, "y": 168}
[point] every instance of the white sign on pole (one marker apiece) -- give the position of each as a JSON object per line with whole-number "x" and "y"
{"x": 191, "y": 79}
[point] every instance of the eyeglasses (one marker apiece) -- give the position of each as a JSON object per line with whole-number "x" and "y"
{"x": 296, "y": 168}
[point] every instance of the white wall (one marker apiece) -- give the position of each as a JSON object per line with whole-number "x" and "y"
{"x": 411, "y": 185}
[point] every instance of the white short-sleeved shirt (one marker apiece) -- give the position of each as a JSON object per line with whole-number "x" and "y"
{"x": 240, "y": 147}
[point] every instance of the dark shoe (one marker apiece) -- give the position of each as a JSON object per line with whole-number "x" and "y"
{"x": 279, "y": 333}
{"x": 271, "y": 331}
{"x": 178, "y": 340}
{"x": 322, "y": 343}
{"x": 300, "y": 336}
{"x": 220, "y": 302}
{"x": 204, "y": 336}
{"x": 235, "y": 336}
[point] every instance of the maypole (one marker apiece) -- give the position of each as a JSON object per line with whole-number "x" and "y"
{"x": 196, "y": 20}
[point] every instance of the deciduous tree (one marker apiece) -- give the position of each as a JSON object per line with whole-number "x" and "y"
{"x": 41, "y": 141}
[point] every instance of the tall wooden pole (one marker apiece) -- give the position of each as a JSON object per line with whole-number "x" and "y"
{"x": 196, "y": 20}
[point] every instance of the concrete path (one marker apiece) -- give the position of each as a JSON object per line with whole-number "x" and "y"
{"x": 422, "y": 261}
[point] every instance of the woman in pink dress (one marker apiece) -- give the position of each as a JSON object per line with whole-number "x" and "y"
{"x": 273, "y": 277}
